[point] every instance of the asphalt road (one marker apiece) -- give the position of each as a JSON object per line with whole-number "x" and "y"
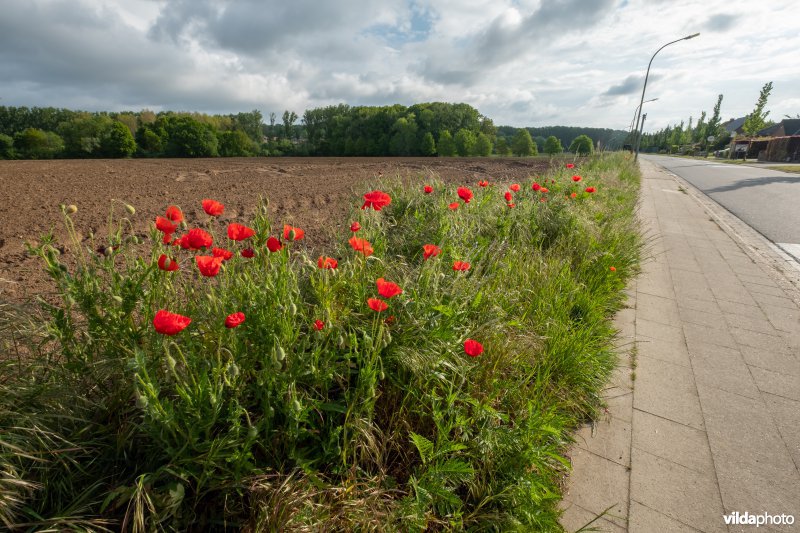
{"x": 766, "y": 200}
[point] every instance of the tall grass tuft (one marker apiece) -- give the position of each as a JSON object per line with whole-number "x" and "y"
{"x": 318, "y": 411}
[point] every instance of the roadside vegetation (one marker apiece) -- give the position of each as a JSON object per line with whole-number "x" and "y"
{"x": 424, "y": 374}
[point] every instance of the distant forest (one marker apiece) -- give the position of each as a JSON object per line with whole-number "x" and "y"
{"x": 429, "y": 129}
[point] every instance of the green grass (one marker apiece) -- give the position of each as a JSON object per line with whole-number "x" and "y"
{"x": 379, "y": 421}
{"x": 785, "y": 168}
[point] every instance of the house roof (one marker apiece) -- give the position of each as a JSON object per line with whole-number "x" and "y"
{"x": 791, "y": 126}
{"x": 733, "y": 124}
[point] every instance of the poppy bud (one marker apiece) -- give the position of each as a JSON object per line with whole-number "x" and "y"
{"x": 233, "y": 370}
{"x": 340, "y": 341}
{"x": 117, "y": 298}
{"x": 382, "y": 376}
{"x": 296, "y": 405}
{"x": 71, "y": 208}
{"x": 108, "y": 250}
{"x": 130, "y": 209}
{"x": 292, "y": 309}
{"x": 141, "y": 401}
{"x": 134, "y": 239}
{"x": 252, "y": 432}
{"x": 292, "y": 235}
{"x": 171, "y": 362}
{"x": 280, "y": 354}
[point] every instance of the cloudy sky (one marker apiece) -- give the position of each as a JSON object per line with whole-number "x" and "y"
{"x": 519, "y": 62}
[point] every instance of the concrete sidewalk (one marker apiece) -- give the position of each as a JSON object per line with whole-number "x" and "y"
{"x": 704, "y": 412}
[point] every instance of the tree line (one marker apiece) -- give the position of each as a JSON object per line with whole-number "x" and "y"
{"x": 705, "y": 135}
{"x": 428, "y": 129}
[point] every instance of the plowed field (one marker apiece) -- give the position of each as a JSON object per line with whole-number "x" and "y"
{"x": 313, "y": 193}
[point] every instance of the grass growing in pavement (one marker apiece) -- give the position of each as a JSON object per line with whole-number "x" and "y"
{"x": 449, "y": 409}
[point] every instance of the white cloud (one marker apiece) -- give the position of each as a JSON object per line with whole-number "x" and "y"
{"x": 520, "y": 62}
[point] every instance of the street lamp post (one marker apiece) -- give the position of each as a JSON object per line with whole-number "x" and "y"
{"x": 630, "y": 128}
{"x": 641, "y": 102}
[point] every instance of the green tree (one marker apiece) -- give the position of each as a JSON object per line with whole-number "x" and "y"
{"x": 6, "y": 146}
{"x": 522, "y": 145}
{"x": 712, "y": 128}
{"x": 427, "y": 146}
{"x": 756, "y": 120}
{"x": 289, "y": 118}
{"x": 189, "y": 138}
{"x": 447, "y": 147}
{"x": 33, "y": 143}
{"x": 582, "y": 145}
{"x": 465, "y": 142}
{"x": 483, "y": 145}
{"x": 552, "y": 145}
{"x": 117, "y": 141}
{"x": 502, "y": 147}
{"x": 235, "y": 143}
{"x": 150, "y": 141}
{"x": 83, "y": 134}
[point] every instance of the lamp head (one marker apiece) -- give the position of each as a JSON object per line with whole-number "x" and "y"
{"x": 692, "y": 36}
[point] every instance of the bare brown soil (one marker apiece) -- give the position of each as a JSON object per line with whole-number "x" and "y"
{"x": 313, "y": 193}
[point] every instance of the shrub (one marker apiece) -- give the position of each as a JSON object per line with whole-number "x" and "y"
{"x": 582, "y": 145}
{"x": 483, "y": 145}
{"x": 523, "y": 145}
{"x": 6, "y": 147}
{"x": 552, "y": 146}
{"x": 33, "y": 143}
{"x": 446, "y": 146}
{"x": 465, "y": 142}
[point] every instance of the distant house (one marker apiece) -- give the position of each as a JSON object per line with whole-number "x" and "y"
{"x": 786, "y": 127}
{"x": 734, "y": 125}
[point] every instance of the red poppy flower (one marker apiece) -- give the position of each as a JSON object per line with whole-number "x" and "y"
{"x": 248, "y": 253}
{"x": 273, "y": 244}
{"x": 428, "y": 189}
{"x": 483, "y": 183}
{"x": 377, "y": 200}
{"x": 612, "y": 269}
{"x": 222, "y": 253}
{"x": 576, "y": 179}
{"x": 238, "y": 232}
{"x": 573, "y": 195}
{"x": 543, "y": 199}
{"x": 545, "y": 190}
{"x": 590, "y": 190}
{"x": 389, "y": 320}
{"x": 430, "y": 250}
{"x": 233, "y": 320}
{"x": 570, "y": 165}
{"x": 473, "y": 348}
{"x": 514, "y": 187}
{"x": 290, "y": 233}
{"x": 327, "y": 262}
{"x": 454, "y": 205}
{"x": 183, "y": 242}
{"x": 198, "y": 238}
{"x": 361, "y": 245}
{"x": 208, "y": 265}
{"x": 355, "y": 226}
{"x": 508, "y": 196}
{"x": 511, "y": 206}
{"x": 536, "y": 187}
{"x": 461, "y": 266}
{"x": 319, "y": 325}
{"x": 166, "y": 263}
{"x": 465, "y": 194}
{"x": 174, "y": 213}
{"x": 213, "y": 207}
{"x": 167, "y": 238}
{"x": 168, "y": 323}
{"x": 387, "y": 289}
{"x": 377, "y": 305}
{"x": 164, "y": 225}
